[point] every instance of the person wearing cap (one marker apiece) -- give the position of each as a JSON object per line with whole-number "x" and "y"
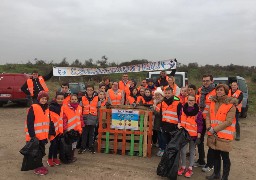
{"x": 158, "y": 98}
{"x": 220, "y": 125}
{"x": 36, "y": 84}
{"x": 37, "y": 128}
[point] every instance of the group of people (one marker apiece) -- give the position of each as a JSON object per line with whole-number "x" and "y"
{"x": 212, "y": 110}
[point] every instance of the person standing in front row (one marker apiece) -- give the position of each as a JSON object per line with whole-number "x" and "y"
{"x": 73, "y": 122}
{"x": 170, "y": 109}
{"x": 220, "y": 124}
{"x": 194, "y": 125}
{"x": 56, "y": 125}
{"x": 36, "y": 84}
{"x": 37, "y": 127}
{"x": 236, "y": 93}
{"x": 205, "y": 94}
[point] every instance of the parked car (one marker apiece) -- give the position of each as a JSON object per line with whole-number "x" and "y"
{"x": 10, "y": 85}
{"x": 242, "y": 86}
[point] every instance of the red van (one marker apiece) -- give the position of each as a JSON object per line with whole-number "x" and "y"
{"x": 10, "y": 85}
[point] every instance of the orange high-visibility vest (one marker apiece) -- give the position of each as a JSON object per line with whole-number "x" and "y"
{"x": 141, "y": 99}
{"x": 116, "y": 98}
{"x": 207, "y": 101}
{"x": 123, "y": 86}
{"x": 236, "y": 95}
{"x": 41, "y": 123}
{"x": 220, "y": 117}
{"x": 58, "y": 123}
{"x": 31, "y": 85}
{"x": 66, "y": 100}
{"x": 74, "y": 118}
{"x": 183, "y": 100}
{"x": 189, "y": 123}
{"x": 90, "y": 107}
{"x": 169, "y": 113}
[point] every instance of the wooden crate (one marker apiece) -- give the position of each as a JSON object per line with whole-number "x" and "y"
{"x": 133, "y": 142}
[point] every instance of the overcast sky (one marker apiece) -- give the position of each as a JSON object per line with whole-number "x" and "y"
{"x": 205, "y": 31}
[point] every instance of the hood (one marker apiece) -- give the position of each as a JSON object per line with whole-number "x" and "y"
{"x": 225, "y": 99}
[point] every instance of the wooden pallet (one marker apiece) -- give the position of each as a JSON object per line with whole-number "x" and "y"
{"x": 131, "y": 141}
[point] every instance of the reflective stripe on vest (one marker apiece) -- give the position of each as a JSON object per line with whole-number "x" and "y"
{"x": 116, "y": 98}
{"x": 41, "y": 123}
{"x": 236, "y": 95}
{"x": 169, "y": 113}
{"x": 74, "y": 118}
{"x": 189, "y": 123}
{"x": 90, "y": 107}
{"x": 219, "y": 118}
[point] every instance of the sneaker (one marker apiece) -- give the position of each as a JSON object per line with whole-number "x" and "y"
{"x": 92, "y": 150}
{"x": 181, "y": 171}
{"x": 56, "y": 162}
{"x": 207, "y": 168}
{"x": 188, "y": 173}
{"x": 40, "y": 171}
{"x": 81, "y": 151}
{"x": 50, "y": 162}
{"x": 198, "y": 164}
{"x": 160, "y": 153}
{"x": 44, "y": 168}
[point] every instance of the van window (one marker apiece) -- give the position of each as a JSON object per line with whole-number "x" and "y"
{"x": 216, "y": 82}
{"x": 178, "y": 79}
{"x": 242, "y": 85}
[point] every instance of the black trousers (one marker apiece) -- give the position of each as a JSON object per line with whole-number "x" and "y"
{"x": 200, "y": 146}
{"x": 87, "y": 136}
{"x": 53, "y": 149}
{"x": 154, "y": 137}
{"x": 217, "y": 163}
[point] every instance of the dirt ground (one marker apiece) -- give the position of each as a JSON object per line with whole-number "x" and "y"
{"x": 108, "y": 166}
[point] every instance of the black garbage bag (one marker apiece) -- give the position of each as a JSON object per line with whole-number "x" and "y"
{"x": 65, "y": 153}
{"x": 31, "y": 148}
{"x": 169, "y": 164}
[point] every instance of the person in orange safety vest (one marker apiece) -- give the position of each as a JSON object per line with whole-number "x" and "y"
{"x": 56, "y": 125}
{"x": 90, "y": 116}
{"x": 115, "y": 96}
{"x": 238, "y": 94}
{"x": 220, "y": 124}
{"x": 37, "y": 128}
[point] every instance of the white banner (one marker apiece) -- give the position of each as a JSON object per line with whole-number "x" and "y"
{"x": 151, "y": 66}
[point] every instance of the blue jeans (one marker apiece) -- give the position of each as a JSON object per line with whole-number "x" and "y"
{"x": 160, "y": 140}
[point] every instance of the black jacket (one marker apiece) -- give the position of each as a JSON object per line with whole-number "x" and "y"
{"x": 36, "y": 84}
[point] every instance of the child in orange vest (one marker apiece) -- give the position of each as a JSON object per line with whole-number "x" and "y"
{"x": 56, "y": 125}
{"x": 193, "y": 123}
{"x": 183, "y": 95}
{"x": 147, "y": 99}
{"x": 72, "y": 122}
{"x": 90, "y": 118}
{"x": 37, "y": 128}
{"x": 133, "y": 97}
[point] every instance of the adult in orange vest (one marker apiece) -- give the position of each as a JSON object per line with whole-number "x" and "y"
{"x": 173, "y": 85}
{"x": 108, "y": 84}
{"x": 128, "y": 89}
{"x": 193, "y": 124}
{"x": 124, "y": 83}
{"x": 151, "y": 85}
{"x": 115, "y": 96}
{"x": 66, "y": 91}
{"x": 238, "y": 94}
{"x": 36, "y": 84}
{"x": 90, "y": 117}
{"x": 143, "y": 84}
{"x": 170, "y": 109}
{"x": 72, "y": 122}
{"x": 163, "y": 80}
{"x": 220, "y": 124}
{"x": 205, "y": 93}
{"x": 37, "y": 127}
{"x": 56, "y": 125}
